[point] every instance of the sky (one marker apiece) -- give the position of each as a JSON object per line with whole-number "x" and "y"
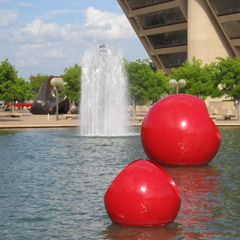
{"x": 47, "y": 36}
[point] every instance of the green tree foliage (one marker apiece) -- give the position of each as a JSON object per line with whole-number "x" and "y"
{"x": 72, "y": 78}
{"x": 36, "y": 82}
{"x": 198, "y": 78}
{"x": 8, "y": 76}
{"x": 144, "y": 84}
{"x": 13, "y": 88}
{"x": 159, "y": 85}
{"x": 23, "y": 90}
{"x": 227, "y": 73}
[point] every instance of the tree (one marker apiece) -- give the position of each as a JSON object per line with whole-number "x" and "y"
{"x": 158, "y": 86}
{"x": 72, "y": 78}
{"x": 227, "y": 73}
{"x": 8, "y": 76}
{"x": 198, "y": 77}
{"x": 36, "y": 82}
{"x": 8, "y": 91}
{"x": 144, "y": 84}
{"x": 23, "y": 90}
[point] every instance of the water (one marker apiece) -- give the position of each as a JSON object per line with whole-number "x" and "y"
{"x": 103, "y": 93}
{"x": 52, "y": 184}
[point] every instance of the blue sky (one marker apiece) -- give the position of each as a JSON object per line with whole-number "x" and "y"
{"x": 46, "y": 36}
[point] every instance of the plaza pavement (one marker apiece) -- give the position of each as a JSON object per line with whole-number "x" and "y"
{"x": 28, "y": 120}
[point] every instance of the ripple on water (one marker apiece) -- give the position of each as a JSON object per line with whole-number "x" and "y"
{"x": 52, "y": 183}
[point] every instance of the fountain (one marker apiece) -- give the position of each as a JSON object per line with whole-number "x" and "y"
{"x": 103, "y": 93}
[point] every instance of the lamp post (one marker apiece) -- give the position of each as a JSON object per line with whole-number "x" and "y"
{"x": 236, "y": 107}
{"x": 103, "y": 50}
{"x": 179, "y": 84}
{"x": 56, "y": 83}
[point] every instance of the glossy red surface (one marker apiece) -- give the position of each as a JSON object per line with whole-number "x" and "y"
{"x": 178, "y": 131}
{"x": 143, "y": 194}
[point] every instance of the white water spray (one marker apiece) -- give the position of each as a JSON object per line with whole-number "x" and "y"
{"x": 103, "y": 108}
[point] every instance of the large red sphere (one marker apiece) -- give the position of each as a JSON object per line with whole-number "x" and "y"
{"x": 143, "y": 194}
{"x": 178, "y": 131}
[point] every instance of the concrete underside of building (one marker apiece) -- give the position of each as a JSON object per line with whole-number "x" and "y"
{"x": 172, "y": 31}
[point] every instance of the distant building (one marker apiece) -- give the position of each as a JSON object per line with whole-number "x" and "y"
{"x": 172, "y": 31}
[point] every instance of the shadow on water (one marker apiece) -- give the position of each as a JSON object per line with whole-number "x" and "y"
{"x": 118, "y": 232}
{"x": 8, "y": 132}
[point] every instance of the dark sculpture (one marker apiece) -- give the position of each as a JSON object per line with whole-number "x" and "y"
{"x": 75, "y": 110}
{"x": 45, "y": 102}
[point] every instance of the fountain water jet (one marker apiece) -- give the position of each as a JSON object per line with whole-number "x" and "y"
{"x": 103, "y": 109}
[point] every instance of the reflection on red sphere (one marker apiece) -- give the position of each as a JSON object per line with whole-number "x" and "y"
{"x": 143, "y": 194}
{"x": 177, "y": 131}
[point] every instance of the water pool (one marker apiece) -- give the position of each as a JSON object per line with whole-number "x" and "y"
{"x": 52, "y": 184}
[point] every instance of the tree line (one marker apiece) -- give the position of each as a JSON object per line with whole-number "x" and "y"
{"x": 145, "y": 84}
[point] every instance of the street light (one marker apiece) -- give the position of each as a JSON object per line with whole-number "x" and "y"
{"x": 103, "y": 50}
{"x": 56, "y": 83}
{"x": 236, "y": 107}
{"x": 179, "y": 84}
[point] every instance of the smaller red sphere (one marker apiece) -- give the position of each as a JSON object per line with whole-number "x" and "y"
{"x": 143, "y": 194}
{"x": 178, "y": 131}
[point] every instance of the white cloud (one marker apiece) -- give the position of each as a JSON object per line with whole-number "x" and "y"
{"x": 98, "y": 25}
{"x": 54, "y": 53}
{"x": 107, "y": 25}
{"x": 39, "y": 32}
{"x": 54, "y": 13}
{"x": 53, "y": 46}
{"x": 43, "y": 54}
{"x": 48, "y": 50}
{"x": 4, "y": 1}
{"x": 30, "y": 61}
{"x": 7, "y": 18}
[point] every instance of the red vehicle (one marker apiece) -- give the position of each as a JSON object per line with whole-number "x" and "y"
{"x": 26, "y": 104}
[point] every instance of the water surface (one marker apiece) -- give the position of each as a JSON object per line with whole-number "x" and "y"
{"x": 52, "y": 184}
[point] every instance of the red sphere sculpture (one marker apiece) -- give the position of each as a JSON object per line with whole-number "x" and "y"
{"x": 143, "y": 194}
{"x": 178, "y": 131}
